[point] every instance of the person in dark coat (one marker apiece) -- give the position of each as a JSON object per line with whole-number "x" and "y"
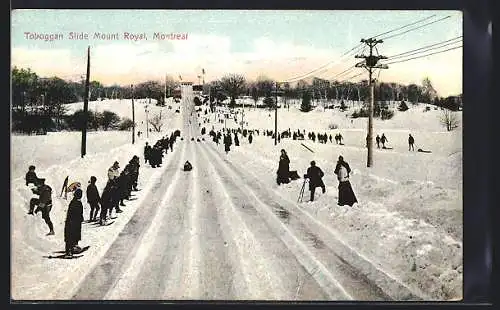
{"x": 93, "y": 199}
{"x": 250, "y": 138}
{"x": 377, "y": 139}
{"x": 43, "y": 203}
{"x": 383, "y": 139}
{"x": 346, "y": 194}
{"x": 106, "y": 202}
{"x": 147, "y": 152}
{"x": 236, "y": 139}
{"x": 411, "y": 141}
{"x": 283, "y": 169}
{"x": 227, "y": 143}
{"x": 315, "y": 175}
{"x": 73, "y": 224}
{"x": 31, "y": 176}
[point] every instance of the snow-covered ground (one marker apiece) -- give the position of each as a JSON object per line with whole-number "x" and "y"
{"x": 56, "y": 156}
{"x": 408, "y": 223}
{"x": 409, "y": 217}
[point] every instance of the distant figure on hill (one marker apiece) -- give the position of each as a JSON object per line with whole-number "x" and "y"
{"x": 383, "y": 139}
{"x": 411, "y": 141}
{"x": 340, "y": 139}
{"x": 346, "y": 194}
{"x": 250, "y": 138}
{"x": 378, "y": 141}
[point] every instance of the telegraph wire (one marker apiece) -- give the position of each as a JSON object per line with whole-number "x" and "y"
{"x": 398, "y": 61}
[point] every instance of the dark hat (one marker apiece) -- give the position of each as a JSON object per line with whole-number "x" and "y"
{"x": 313, "y": 163}
{"x": 116, "y": 164}
{"x": 78, "y": 193}
{"x": 31, "y": 167}
{"x": 93, "y": 179}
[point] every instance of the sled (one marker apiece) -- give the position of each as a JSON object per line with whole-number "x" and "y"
{"x": 77, "y": 252}
{"x": 63, "y": 256}
{"x": 423, "y": 151}
{"x": 294, "y": 175}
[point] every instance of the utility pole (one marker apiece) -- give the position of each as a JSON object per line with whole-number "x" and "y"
{"x": 276, "y": 116}
{"x": 86, "y": 107}
{"x": 165, "y": 100}
{"x": 133, "y": 114}
{"x": 369, "y": 64}
{"x": 147, "y": 122}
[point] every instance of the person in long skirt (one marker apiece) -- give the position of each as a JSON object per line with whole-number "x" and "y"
{"x": 73, "y": 224}
{"x": 283, "y": 173}
{"x": 346, "y": 194}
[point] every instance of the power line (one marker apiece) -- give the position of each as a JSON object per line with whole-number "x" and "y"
{"x": 305, "y": 75}
{"x": 393, "y": 62}
{"x": 342, "y": 73}
{"x": 352, "y": 77}
{"x": 422, "y": 49}
{"x": 411, "y": 24}
{"x": 412, "y": 29}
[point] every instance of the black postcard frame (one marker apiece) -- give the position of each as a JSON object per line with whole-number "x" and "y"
{"x": 479, "y": 136}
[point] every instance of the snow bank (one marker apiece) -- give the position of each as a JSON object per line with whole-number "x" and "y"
{"x": 56, "y": 156}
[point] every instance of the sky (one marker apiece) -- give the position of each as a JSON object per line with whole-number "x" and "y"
{"x": 280, "y": 45}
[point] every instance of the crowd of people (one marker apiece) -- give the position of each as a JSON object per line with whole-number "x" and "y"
{"x": 154, "y": 154}
{"x": 119, "y": 187}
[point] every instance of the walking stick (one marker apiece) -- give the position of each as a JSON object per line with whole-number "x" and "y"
{"x": 301, "y": 194}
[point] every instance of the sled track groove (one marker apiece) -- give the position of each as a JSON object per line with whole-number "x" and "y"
{"x": 304, "y": 252}
{"x": 259, "y": 247}
{"x": 389, "y": 284}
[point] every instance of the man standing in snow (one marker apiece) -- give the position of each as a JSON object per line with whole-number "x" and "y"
{"x": 315, "y": 175}
{"x": 113, "y": 171}
{"x": 43, "y": 203}
{"x": 411, "y": 141}
{"x": 147, "y": 152}
{"x": 377, "y": 139}
{"x": 93, "y": 198}
{"x": 250, "y": 138}
{"x": 383, "y": 139}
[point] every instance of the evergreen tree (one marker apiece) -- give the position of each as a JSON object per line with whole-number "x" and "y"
{"x": 306, "y": 102}
{"x": 402, "y": 106}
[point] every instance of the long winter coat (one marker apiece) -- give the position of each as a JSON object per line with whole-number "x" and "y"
{"x": 315, "y": 174}
{"x": 250, "y": 138}
{"x": 74, "y": 219}
{"x": 346, "y": 194}
{"x": 283, "y": 170}
{"x": 236, "y": 140}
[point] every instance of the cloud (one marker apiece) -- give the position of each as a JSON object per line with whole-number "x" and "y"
{"x": 130, "y": 62}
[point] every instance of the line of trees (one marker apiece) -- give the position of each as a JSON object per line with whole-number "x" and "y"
{"x": 234, "y": 85}
{"x": 38, "y": 103}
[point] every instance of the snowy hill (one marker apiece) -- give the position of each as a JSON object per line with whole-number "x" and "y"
{"x": 405, "y": 233}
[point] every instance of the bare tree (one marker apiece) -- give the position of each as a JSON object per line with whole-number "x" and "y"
{"x": 233, "y": 85}
{"x": 156, "y": 121}
{"x": 449, "y": 120}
